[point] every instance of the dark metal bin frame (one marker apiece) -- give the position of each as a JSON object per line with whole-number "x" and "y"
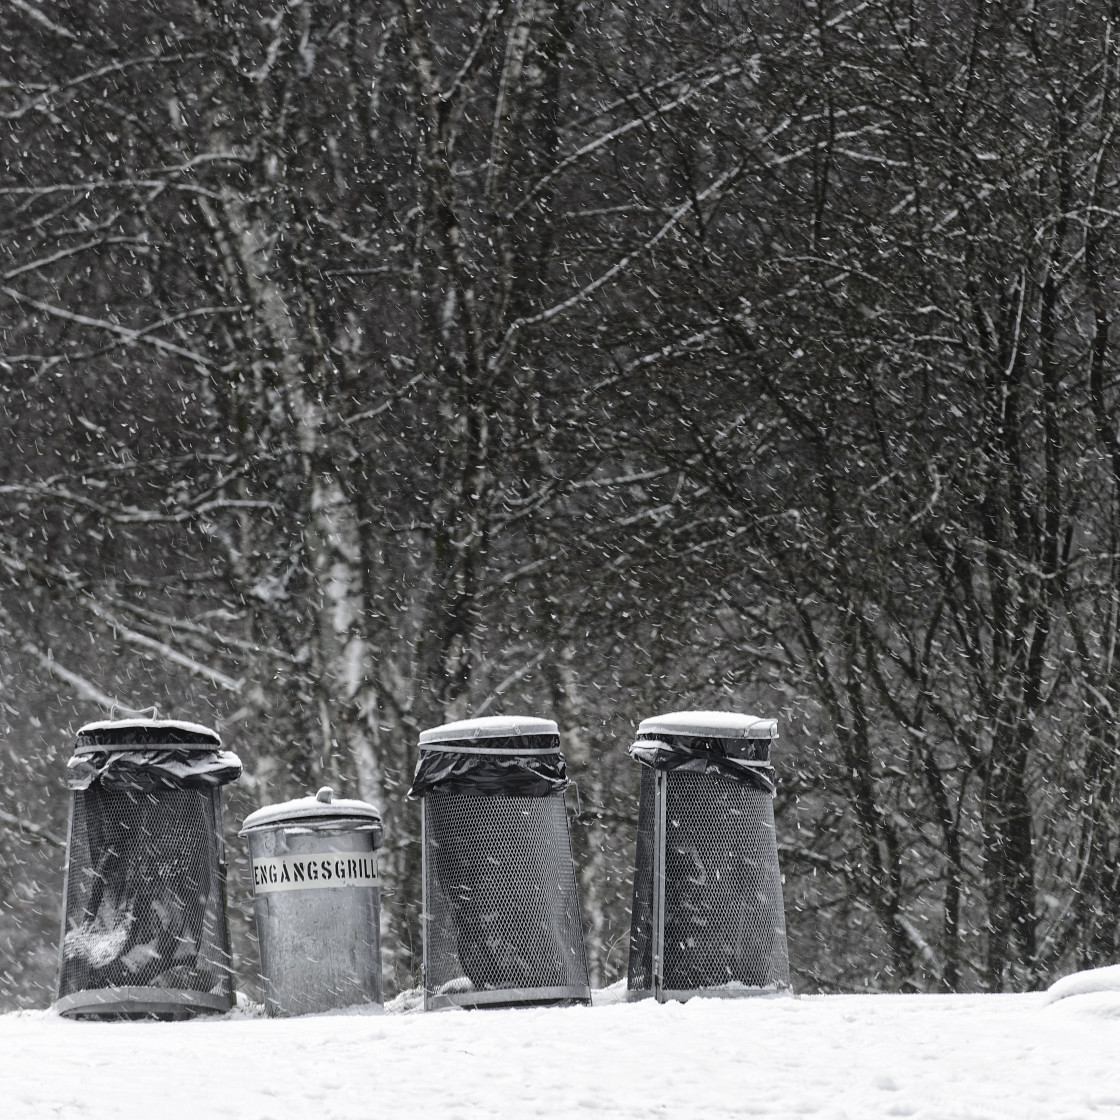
{"x": 692, "y": 724}
{"x": 465, "y": 738}
{"x": 140, "y": 1000}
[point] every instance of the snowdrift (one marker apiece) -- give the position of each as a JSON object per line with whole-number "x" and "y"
{"x": 1049, "y": 1055}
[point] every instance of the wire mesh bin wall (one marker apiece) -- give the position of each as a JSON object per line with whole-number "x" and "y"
{"x": 145, "y": 929}
{"x": 317, "y": 902}
{"x": 501, "y": 909}
{"x": 708, "y": 916}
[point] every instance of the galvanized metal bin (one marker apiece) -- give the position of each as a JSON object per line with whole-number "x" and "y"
{"x": 317, "y": 902}
{"x": 708, "y": 916}
{"x": 501, "y": 910}
{"x": 145, "y": 930}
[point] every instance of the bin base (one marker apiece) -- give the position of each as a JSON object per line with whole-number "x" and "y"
{"x": 140, "y": 1003}
{"x": 506, "y": 997}
{"x": 286, "y": 1009}
{"x": 735, "y": 991}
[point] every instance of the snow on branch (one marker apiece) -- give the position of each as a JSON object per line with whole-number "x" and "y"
{"x": 84, "y": 688}
{"x": 920, "y": 944}
{"x": 385, "y": 405}
{"x": 148, "y": 645}
{"x": 129, "y": 335}
{"x": 713, "y": 190}
{"x": 476, "y": 55}
{"x": 45, "y": 93}
{"x": 27, "y": 828}
{"x": 207, "y": 637}
{"x": 133, "y": 515}
{"x": 44, "y": 20}
{"x": 76, "y": 250}
{"x": 690, "y": 93}
{"x": 513, "y": 678}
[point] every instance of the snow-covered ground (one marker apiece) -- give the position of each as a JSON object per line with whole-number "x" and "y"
{"x": 1047, "y": 1055}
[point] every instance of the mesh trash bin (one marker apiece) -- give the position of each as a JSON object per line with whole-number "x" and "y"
{"x": 708, "y": 916}
{"x": 317, "y": 902}
{"x": 501, "y": 911}
{"x": 144, "y": 910}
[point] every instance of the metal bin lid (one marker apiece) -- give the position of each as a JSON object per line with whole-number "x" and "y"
{"x": 310, "y": 811}
{"x": 710, "y": 725}
{"x": 489, "y": 727}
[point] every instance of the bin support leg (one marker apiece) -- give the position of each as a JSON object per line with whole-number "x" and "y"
{"x": 65, "y": 899}
{"x": 659, "y": 887}
{"x": 424, "y": 947}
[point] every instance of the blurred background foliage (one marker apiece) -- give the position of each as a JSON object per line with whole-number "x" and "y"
{"x": 368, "y": 365}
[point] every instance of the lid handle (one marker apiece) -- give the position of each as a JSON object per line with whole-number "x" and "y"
{"x": 325, "y": 795}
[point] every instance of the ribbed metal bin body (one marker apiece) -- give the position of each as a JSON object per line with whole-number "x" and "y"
{"x": 708, "y": 915}
{"x": 317, "y": 904}
{"x": 145, "y": 930}
{"x": 501, "y": 908}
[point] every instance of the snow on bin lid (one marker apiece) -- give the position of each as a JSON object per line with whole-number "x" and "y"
{"x": 306, "y": 810}
{"x": 110, "y": 734}
{"x": 488, "y": 727}
{"x": 711, "y": 725}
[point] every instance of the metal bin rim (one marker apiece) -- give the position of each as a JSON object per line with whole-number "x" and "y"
{"x": 110, "y": 734}
{"x": 319, "y": 812}
{"x": 710, "y": 725}
{"x": 488, "y": 727}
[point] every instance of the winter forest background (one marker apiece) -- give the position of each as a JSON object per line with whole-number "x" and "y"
{"x": 367, "y": 364}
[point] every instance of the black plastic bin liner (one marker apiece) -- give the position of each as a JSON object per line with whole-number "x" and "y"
{"x": 743, "y": 760}
{"x": 149, "y": 769}
{"x": 499, "y": 771}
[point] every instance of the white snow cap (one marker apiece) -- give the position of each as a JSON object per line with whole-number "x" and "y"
{"x": 713, "y": 725}
{"x": 489, "y": 727}
{"x": 153, "y": 724}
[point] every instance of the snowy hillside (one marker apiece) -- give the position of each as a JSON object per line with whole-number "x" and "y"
{"x": 1049, "y": 1055}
